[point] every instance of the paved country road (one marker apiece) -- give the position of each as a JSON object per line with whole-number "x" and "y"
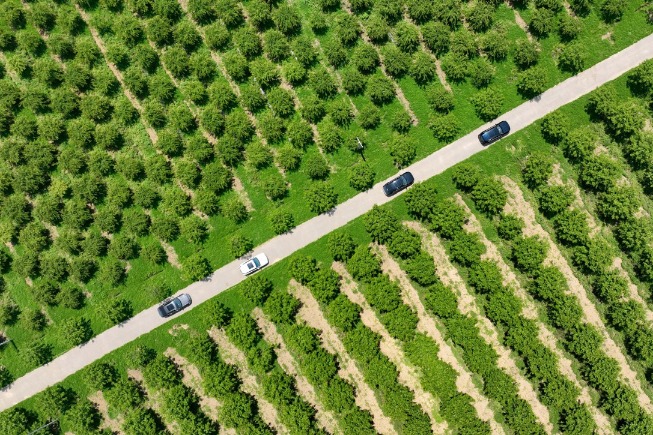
{"x": 282, "y": 246}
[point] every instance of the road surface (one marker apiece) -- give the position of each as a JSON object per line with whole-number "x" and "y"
{"x": 282, "y": 246}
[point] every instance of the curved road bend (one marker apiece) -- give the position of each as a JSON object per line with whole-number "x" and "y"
{"x": 282, "y": 246}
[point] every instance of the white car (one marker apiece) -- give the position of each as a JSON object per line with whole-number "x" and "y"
{"x": 256, "y": 263}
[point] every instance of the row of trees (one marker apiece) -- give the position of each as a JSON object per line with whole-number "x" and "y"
{"x": 548, "y": 285}
{"x": 361, "y": 343}
{"x": 441, "y": 301}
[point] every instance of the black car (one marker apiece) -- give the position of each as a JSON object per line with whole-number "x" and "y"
{"x": 495, "y": 133}
{"x": 174, "y": 305}
{"x": 398, "y": 184}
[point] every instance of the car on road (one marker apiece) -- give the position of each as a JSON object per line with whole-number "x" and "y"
{"x": 398, "y": 184}
{"x": 494, "y": 133}
{"x": 173, "y": 305}
{"x": 256, "y": 263}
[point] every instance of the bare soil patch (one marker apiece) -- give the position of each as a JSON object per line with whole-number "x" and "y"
{"x": 428, "y": 325}
{"x": 408, "y": 374}
{"x": 232, "y": 355}
{"x": 517, "y": 205}
{"x": 113, "y": 424}
{"x": 326, "y": 419}
{"x": 176, "y": 327}
{"x": 171, "y": 254}
{"x": 467, "y": 304}
{"x": 312, "y": 315}
{"x": 240, "y": 189}
{"x": 520, "y": 21}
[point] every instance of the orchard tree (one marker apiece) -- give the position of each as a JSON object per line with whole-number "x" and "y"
{"x": 640, "y": 79}
{"x": 240, "y": 245}
{"x": 555, "y": 127}
{"x": 532, "y": 82}
{"x": 436, "y": 37}
{"x": 489, "y": 196}
{"x": 481, "y": 73}
{"x": 322, "y": 83}
{"x": 234, "y": 210}
{"x": 423, "y": 69}
{"x": 361, "y": 176}
{"x": 554, "y": 199}
{"x": 365, "y": 58}
{"x": 402, "y": 149}
{"x": 369, "y": 117}
{"x": 571, "y": 227}
{"x": 196, "y": 267}
{"x": 579, "y": 144}
{"x": 528, "y": 253}
{"x": 537, "y": 170}
{"x": 542, "y": 22}
{"x": 613, "y": 10}
{"x": 380, "y": 90}
{"x": 320, "y": 197}
{"x": 330, "y": 136}
{"x": 313, "y": 109}
{"x": 571, "y": 58}
{"x": 618, "y": 204}
{"x": 282, "y": 221}
{"x": 76, "y": 331}
{"x": 287, "y": 19}
{"x": 488, "y": 103}
{"x": 396, "y": 62}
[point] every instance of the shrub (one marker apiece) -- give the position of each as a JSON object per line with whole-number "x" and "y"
{"x": 571, "y": 59}
{"x": 380, "y": 223}
{"x": 503, "y": 307}
{"x": 325, "y": 285}
{"x": 421, "y": 269}
{"x": 565, "y": 312}
{"x": 369, "y": 117}
{"x": 257, "y": 289}
{"x": 341, "y": 246}
{"x": 541, "y": 22}
{"x": 320, "y": 197}
{"x": 380, "y": 90}
{"x": 100, "y": 375}
{"x": 509, "y": 226}
{"x": 485, "y": 276}
{"x": 610, "y": 287}
{"x": 594, "y": 256}
{"x": 489, "y": 196}
{"x": 240, "y": 245}
{"x": 537, "y": 170}
{"x": 316, "y": 167}
{"x": 584, "y": 341}
{"x": 555, "y": 127}
{"x": 234, "y": 210}
{"x": 528, "y": 253}
{"x": 396, "y": 62}
{"x": 617, "y": 204}
{"x": 626, "y": 316}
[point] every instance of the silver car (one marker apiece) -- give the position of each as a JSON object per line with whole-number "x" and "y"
{"x": 256, "y": 263}
{"x": 173, "y": 305}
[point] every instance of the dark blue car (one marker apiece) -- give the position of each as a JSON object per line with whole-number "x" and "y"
{"x": 494, "y": 133}
{"x": 398, "y": 184}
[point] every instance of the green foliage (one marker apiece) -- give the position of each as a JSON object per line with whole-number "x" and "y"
{"x": 421, "y": 269}
{"x": 342, "y": 313}
{"x": 282, "y": 221}
{"x": 528, "y": 253}
{"x": 234, "y": 210}
{"x": 161, "y": 373}
{"x": 405, "y": 243}
{"x": 571, "y": 227}
{"x": 617, "y": 204}
{"x": 125, "y": 395}
{"x": 242, "y": 331}
{"x": 396, "y": 62}
{"x": 509, "y": 226}
{"x": 489, "y": 196}
{"x": 466, "y": 248}
{"x": 196, "y": 267}
{"x": 302, "y": 268}
{"x": 485, "y": 276}
{"x": 447, "y": 218}
{"x": 610, "y": 287}
{"x": 118, "y": 310}
{"x": 402, "y": 149}
{"x": 361, "y": 176}
{"x": 594, "y": 256}
{"x": 380, "y": 90}
{"x": 341, "y": 245}
{"x": 325, "y": 285}
{"x": 281, "y": 307}
{"x": 363, "y": 265}
{"x": 381, "y": 224}
{"x": 257, "y": 289}
{"x": 488, "y": 103}
{"x": 320, "y": 197}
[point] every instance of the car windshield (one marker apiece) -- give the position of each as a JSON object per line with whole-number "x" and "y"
{"x": 256, "y": 262}
{"x": 499, "y": 129}
{"x": 170, "y": 307}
